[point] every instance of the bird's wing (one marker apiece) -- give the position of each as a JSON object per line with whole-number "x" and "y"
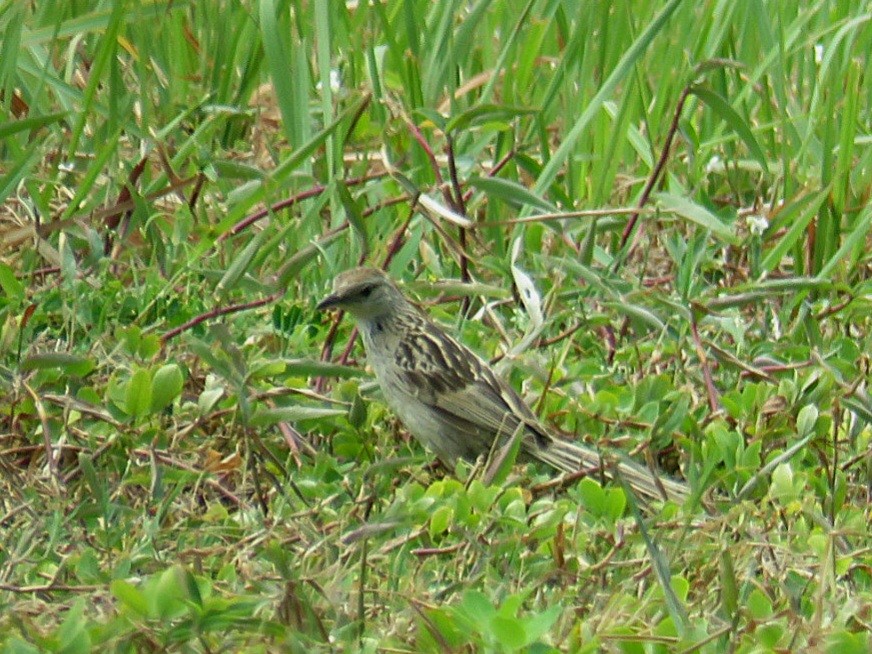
{"x": 462, "y": 389}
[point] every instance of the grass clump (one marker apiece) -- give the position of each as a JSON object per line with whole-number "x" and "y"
{"x": 653, "y": 219}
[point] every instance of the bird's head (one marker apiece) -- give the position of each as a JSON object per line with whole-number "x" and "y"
{"x": 365, "y": 293}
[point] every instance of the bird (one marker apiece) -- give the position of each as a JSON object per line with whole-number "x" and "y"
{"x": 450, "y": 399}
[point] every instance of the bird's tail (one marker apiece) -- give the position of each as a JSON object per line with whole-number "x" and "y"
{"x": 571, "y": 457}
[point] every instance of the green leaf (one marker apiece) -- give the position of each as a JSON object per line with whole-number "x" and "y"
{"x": 137, "y": 396}
{"x": 166, "y": 594}
{"x": 477, "y": 606}
{"x": 130, "y": 596}
{"x": 697, "y": 214}
{"x": 166, "y": 386}
{"x": 806, "y": 420}
{"x": 481, "y": 496}
{"x": 97, "y": 483}
{"x": 537, "y": 626}
{"x": 87, "y": 567}
{"x": 510, "y": 192}
{"x": 486, "y": 113}
{"x": 354, "y": 216}
{"x": 504, "y": 456}
{"x": 451, "y": 630}
{"x": 266, "y": 369}
{"x": 782, "y": 483}
{"x": 798, "y": 227}
{"x": 267, "y": 417}
{"x": 131, "y": 337}
{"x": 854, "y": 243}
{"x": 616, "y": 504}
{"x": 431, "y": 116}
{"x": 847, "y": 642}
{"x": 758, "y": 605}
{"x": 240, "y": 264}
{"x": 720, "y": 105}
{"x": 72, "y": 364}
{"x": 729, "y": 584}
{"x": 30, "y": 123}
{"x": 441, "y": 521}
{"x": 357, "y": 412}
{"x": 593, "y": 496}
{"x": 315, "y": 368}
{"x": 191, "y": 588}
{"x": 509, "y": 632}
{"x": 15, "y": 173}
{"x": 73, "y": 632}
{"x": 660, "y": 563}
{"x": 148, "y": 346}
{"x": 10, "y": 284}
{"x": 640, "y": 314}
{"x": 769, "y": 635}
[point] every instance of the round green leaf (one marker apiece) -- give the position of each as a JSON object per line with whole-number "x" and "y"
{"x": 166, "y": 385}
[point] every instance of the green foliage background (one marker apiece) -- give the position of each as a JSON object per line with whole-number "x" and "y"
{"x": 654, "y": 218}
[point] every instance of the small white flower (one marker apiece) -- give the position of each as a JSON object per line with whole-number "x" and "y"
{"x": 714, "y": 164}
{"x": 335, "y": 81}
{"x": 775, "y": 324}
{"x": 757, "y": 223}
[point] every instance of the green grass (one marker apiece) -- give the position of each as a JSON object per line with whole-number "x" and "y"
{"x": 193, "y": 459}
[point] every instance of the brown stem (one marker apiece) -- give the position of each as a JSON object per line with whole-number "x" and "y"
{"x": 220, "y": 311}
{"x": 655, "y": 174}
{"x": 714, "y": 401}
{"x": 289, "y": 202}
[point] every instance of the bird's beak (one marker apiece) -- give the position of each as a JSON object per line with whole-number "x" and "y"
{"x": 329, "y": 302}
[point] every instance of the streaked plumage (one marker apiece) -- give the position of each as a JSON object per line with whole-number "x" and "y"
{"x": 449, "y": 398}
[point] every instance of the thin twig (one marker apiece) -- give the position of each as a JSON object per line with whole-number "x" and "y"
{"x": 291, "y": 201}
{"x": 221, "y": 311}
{"x": 714, "y": 401}
{"x": 655, "y": 174}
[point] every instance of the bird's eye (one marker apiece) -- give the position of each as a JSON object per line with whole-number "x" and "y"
{"x": 366, "y": 291}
